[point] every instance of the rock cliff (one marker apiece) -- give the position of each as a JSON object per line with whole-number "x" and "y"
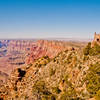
{"x": 70, "y": 75}
{"x": 20, "y": 52}
{"x": 50, "y": 48}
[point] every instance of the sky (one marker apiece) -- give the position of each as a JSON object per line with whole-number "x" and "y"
{"x": 49, "y": 18}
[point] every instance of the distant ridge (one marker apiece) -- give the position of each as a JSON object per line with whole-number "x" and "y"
{"x": 58, "y": 39}
{"x": 70, "y": 39}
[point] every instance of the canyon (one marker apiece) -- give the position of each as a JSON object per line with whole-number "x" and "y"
{"x": 70, "y": 73}
{"x": 50, "y": 70}
{"x": 17, "y": 53}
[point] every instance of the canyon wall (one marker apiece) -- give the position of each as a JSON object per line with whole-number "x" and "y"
{"x": 46, "y": 48}
{"x": 20, "y": 45}
{"x": 17, "y": 53}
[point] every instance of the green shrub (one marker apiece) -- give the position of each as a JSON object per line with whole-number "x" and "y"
{"x": 87, "y": 49}
{"x": 93, "y": 79}
{"x": 98, "y": 95}
{"x": 95, "y": 50}
{"x": 40, "y": 87}
{"x": 66, "y": 78}
{"x": 85, "y": 58}
{"x": 56, "y": 90}
{"x": 42, "y": 61}
{"x": 69, "y": 58}
{"x": 51, "y": 97}
{"x": 69, "y": 91}
{"x": 69, "y": 95}
{"x": 26, "y": 97}
{"x": 52, "y": 71}
{"x": 69, "y": 84}
{"x": 63, "y": 96}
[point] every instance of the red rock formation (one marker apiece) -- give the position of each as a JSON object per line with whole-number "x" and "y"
{"x": 15, "y": 53}
{"x": 20, "y": 45}
{"x": 45, "y": 47}
{"x": 19, "y": 52}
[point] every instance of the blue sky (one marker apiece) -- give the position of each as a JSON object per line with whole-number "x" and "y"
{"x": 49, "y": 18}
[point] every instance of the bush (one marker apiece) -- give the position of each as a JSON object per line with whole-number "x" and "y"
{"x": 69, "y": 92}
{"x": 52, "y": 71}
{"x": 87, "y": 49}
{"x": 93, "y": 79}
{"x": 51, "y": 97}
{"x": 66, "y": 78}
{"x": 69, "y": 95}
{"x": 98, "y": 95}
{"x": 40, "y": 87}
{"x": 91, "y": 50}
{"x": 69, "y": 58}
{"x": 63, "y": 96}
{"x": 42, "y": 61}
{"x": 56, "y": 90}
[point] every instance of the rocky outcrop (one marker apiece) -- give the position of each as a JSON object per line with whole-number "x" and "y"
{"x": 4, "y": 43}
{"x": 3, "y": 47}
{"x": 96, "y": 39}
{"x": 15, "y": 53}
{"x": 20, "y": 45}
{"x": 12, "y": 54}
{"x": 3, "y": 77}
{"x": 49, "y": 48}
{"x": 63, "y": 77}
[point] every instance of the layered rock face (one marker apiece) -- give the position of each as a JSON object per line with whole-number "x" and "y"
{"x": 50, "y": 48}
{"x": 20, "y": 52}
{"x": 4, "y": 43}
{"x": 50, "y": 70}
{"x": 3, "y": 46}
{"x": 3, "y": 77}
{"x": 13, "y": 54}
{"x": 71, "y": 75}
{"x": 20, "y": 45}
